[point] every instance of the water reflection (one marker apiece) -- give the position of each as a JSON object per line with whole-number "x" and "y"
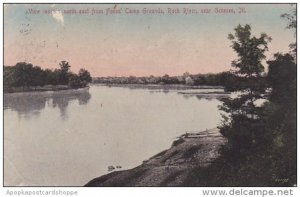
{"x": 202, "y": 93}
{"x": 208, "y": 97}
{"x": 211, "y": 96}
{"x": 53, "y": 126}
{"x": 29, "y": 104}
{"x": 166, "y": 91}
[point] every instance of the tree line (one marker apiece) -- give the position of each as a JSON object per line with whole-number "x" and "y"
{"x": 225, "y": 79}
{"x": 27, "y": 75}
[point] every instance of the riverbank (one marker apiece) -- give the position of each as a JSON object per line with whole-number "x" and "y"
{"x": 170, "y": 167}
{"x": 41, "y": 88}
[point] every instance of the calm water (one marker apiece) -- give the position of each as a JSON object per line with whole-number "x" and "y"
{"x": 67, "y": 138}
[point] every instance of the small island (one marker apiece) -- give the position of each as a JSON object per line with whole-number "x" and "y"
{"x": 25, "y": 77}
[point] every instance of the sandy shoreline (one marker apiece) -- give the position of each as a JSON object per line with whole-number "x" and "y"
{"x": 169, "y": 167}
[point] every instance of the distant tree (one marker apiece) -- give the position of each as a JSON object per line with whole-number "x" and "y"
{"x": 84, "y": 76}
{"x": 211, "y": 79}
{"x": 8, "y": 78}
{"x": 131, "y": 79}
{"x": 165, "y": 79}
{"x": 152, "y": 79}
{"x": 180, "y": 79}
{"x": 64, "y": 66}
{"x": 189, "y": 81}
{"x": 22, "y": 74}
{"x": 199, "y": 80}
{"x": 52, "y": 77}
{"x": 64, "y": 69}
{"x": 241, "y": 125}
{"x": 186, "y": 74}
{"x": 74, "y": 81}
{"x": 38, "y": 76}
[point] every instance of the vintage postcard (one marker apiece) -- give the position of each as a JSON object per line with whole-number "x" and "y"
{"x": 155, "y": 95}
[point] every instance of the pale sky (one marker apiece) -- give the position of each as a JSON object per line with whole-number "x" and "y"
{"x": 136, "y": 44}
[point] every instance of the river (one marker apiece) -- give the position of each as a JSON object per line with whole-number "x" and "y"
{"x": 67, "y": 138}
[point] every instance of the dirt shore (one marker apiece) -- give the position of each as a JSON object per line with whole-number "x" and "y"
{"x": 169, "y": 167}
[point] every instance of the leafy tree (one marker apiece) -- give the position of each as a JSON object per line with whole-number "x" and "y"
{"x": 8, "y": 79}
{"x": 26, "y": 75}
{"x": 64, "y": 69}
{"x": 291, "y": 18}
{"x": 64, "y": 66}
{"x": 22, "y": 74}
{"x": 52, "y": 77}
{"x": 37, "y": 77}
{"x": 281, "y": 115}
{"x": 74, "y": 81}
{"x": 282, "y": 78}
{"x": 292, "y": 24}
{"x": 84, "y": 76}
{"x": 227, "y": 79}
{"x": 241, "y": 124}
{"x": 132, "y": 79}
{"x": 165, "y": 79}
{"x": 281, "y": 110}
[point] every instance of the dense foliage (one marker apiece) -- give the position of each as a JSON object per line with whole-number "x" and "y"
{"x": 219, "y": 79}
{"x": 242, "y": 126}
{"x": 281, "y": 116}
{"x": 26, "y": 75}
{"x": 262, "y": 144}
